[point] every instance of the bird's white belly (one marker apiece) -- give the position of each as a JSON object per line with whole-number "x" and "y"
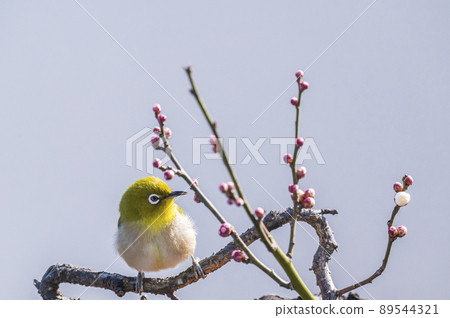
{"x": 150, "y": 251}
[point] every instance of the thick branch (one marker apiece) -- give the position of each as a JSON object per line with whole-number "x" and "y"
{"x": 48, "y": 288}
{"x": 327, "y": 245}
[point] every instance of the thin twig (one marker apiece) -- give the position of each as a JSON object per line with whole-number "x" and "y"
{"x": 290, "y": 252}
{"x": 266, "y": 238}
{"x": 381, "y": 269}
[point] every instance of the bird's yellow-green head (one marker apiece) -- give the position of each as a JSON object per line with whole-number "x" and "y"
{"x": 149, "y": 201}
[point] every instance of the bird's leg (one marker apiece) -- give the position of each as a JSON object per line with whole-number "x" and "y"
{"x": 140, "y": 282}
{"x": 197, "y": 268}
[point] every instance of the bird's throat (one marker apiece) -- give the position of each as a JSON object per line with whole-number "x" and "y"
{"x": 158, "y": 221}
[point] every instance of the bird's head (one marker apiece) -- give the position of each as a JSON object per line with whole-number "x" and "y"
{"x": 148, "y": 200}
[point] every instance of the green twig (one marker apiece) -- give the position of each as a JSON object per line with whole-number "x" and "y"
{"x": 290, "y": 251}
{"x": 266, "y": 238}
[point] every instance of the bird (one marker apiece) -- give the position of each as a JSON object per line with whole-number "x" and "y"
{"x": 153, "y": 232}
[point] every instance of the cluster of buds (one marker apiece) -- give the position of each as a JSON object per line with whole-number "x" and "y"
{"x": 305, "y": 199}
{"x": 157, "y": 130}
{"x": 401, "y": 197}
{"x": 397, "y": 232}
{"x": 161, "y": 117}
{"x": 213, "y": 142}
{"x": 225, "y": 229}
{"x": 167, "y": 132}
{"x": 238, "y": 256}
{"x": 301, "y": 84}
{"x": 406, "y": 182}
{"x": 228, "y": 190}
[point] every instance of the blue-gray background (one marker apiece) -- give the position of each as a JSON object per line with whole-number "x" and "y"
{"x": 377, "y": 108}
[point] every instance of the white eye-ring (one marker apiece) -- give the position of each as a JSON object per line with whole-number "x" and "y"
{"x": 153, "y": 199}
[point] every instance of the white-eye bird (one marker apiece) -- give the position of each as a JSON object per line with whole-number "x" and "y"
{"x": 153, "y": 232}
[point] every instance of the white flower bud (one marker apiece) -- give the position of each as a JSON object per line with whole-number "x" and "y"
{"x": 402, "y": 198}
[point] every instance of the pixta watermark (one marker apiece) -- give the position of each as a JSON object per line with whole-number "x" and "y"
{"x": 140, "y": 152}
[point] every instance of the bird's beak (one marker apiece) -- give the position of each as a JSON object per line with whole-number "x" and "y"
{"x": 175, "y": 194}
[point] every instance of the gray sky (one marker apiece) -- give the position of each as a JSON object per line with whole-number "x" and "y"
{"x": 377, "y": 108}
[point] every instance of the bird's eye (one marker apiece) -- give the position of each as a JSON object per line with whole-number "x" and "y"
{"x": 153, "y": 199}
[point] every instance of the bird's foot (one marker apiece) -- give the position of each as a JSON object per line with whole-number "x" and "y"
{"x": 140, "y": 283}
{"x": 199, "y": 273}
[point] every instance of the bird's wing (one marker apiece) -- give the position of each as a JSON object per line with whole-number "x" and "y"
{"x": 119, "y": 222}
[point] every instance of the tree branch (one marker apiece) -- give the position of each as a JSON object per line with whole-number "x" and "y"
{"x": 327, "y": 245}
{"x": 270, "y": 243}
{"x": 57, "y": 274}
{"x": 381, "y": 269}
{"x": 290, "y": 252}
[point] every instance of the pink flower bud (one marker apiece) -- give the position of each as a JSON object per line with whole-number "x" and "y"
{"x": 293, "y": 188}
{"x": 288, "y": 158}
{"x": 157, "y": 130}
{"x": 259, "y": 212}
{"x": 212, "y": 140}
{"x": 223, "y": 187}
{"x": 308, "y": 202}
{"x": 408, "y": 180}
{"x": 225, "y": 229}
{"x": 304, "y": 86}
{"x": 401, "y": 231}
{"x": 294, "y": 101}
{"x": 169, "y": 174}
{"x": 157, "y": 109}
{"x": 167, "y": 132}
{"x": 155, "y": 141}
{"x": 392, "y": 231}
{"x": 310, "y": 193}
{"x": 301, "y": 172}
{"x": 214, "y": 148}
{"x": 157, "y": 163}
{"x": 195, "y": 181}
{"x": 239, "y": 202}
{"x": 162, "y": 118}
{"x": 299, "y": 142}
{"x": 230, "y": 201}
{"x": 298, "y": 74}
{"x": 196, "y": 199}
{"x": 230, "y": 186}
{"x": 398, "y": 187}
{"x": 237, "y": 256}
